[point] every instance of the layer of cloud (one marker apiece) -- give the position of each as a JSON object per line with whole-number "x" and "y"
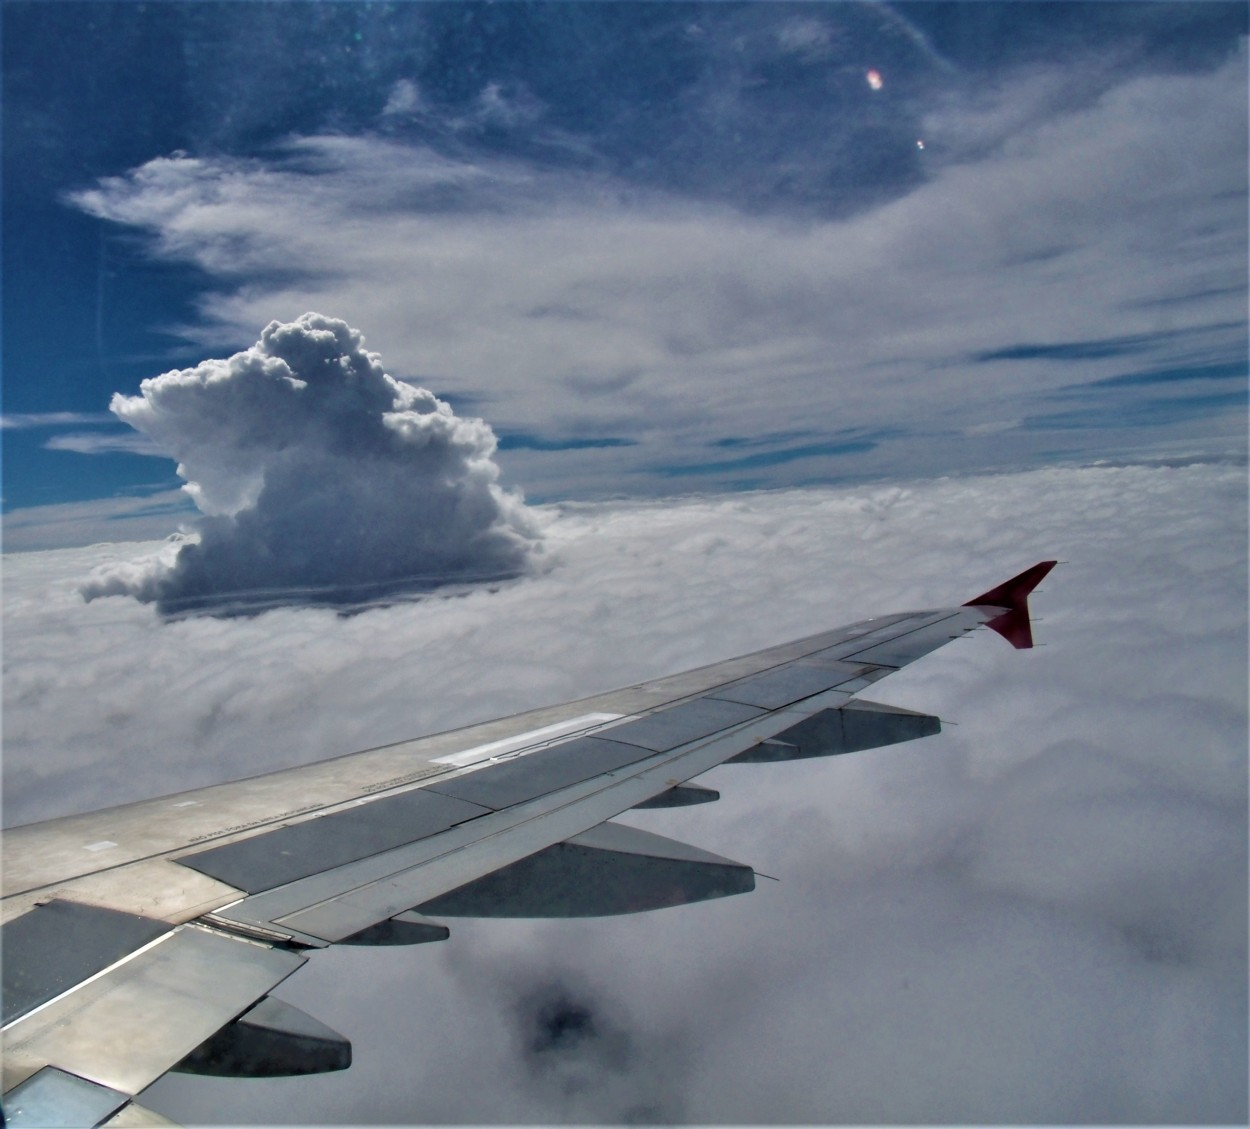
{"x": 321, "y": 479}
{"x": 1038, "y": 916}
{"x": 146, "y": 516}
{"x": 572, "y": 306}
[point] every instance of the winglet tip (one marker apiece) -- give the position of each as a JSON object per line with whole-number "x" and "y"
{"x": 1013, "y": 597}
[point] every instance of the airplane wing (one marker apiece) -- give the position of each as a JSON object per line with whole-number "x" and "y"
{"x": 147, "y": 937}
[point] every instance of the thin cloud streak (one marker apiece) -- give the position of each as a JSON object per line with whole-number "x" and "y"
{"x": 89, "y": 443}
{"x": 22, "y": 420}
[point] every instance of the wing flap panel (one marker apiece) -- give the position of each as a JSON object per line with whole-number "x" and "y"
{"x": 298, "y": 850}
{"x": 126, "y": 1027}
{"x": 55, "y": 946}
{"x": 926, "y": 636}
{"x": 785, "y": 684}
{"x": 681, "y": 724}
{"x": 512, "y": 782}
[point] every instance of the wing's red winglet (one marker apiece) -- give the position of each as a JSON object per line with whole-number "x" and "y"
{"x": 1013, "y": 596}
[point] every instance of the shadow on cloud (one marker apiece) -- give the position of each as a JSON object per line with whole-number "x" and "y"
{"x": 321, "y": 480}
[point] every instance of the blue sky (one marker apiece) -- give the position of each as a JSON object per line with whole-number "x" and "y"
{"x": 656, "y": 247}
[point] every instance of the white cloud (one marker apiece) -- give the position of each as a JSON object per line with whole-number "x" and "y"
{"x": 1038, "y": 916}
{"x": 404, "y": 99}
{"x": 807, "y": 37}
{"x": 17, "y": 420}
{"x": 977, "y": 121}
{"x": 321, "y": 478}
{"x": 570, "y": 305}
{"x": 892, "y": 18}
{"x": 103, "y": 443}
{"x": 993, "y": 426}
{"x": 505, "y": 107}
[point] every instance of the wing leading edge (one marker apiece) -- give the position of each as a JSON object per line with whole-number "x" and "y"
{"x": 147, "y": 937}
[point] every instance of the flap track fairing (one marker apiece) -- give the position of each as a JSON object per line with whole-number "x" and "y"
{"x": 271, "y": 1040}
{"x": 403, "y": 929}
{"x": 850, "y": 728}
{"x": 680, "y": 796}
{"x": 610, "y": 869}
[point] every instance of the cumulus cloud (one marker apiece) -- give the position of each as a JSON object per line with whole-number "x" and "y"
{"x": 1038, "y": 916}
{"x": 320, "y": 477}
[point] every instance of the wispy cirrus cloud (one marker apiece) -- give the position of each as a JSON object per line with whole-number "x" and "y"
{"x": 25, "y": 420}
{"x": 104, "y": 443}
{"x": 570, "y": 306}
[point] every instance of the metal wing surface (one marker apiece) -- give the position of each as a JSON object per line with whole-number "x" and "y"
{"x": 147, "y": 937}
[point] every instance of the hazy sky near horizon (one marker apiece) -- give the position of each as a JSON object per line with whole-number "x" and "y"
{"x": 658, "y": 248}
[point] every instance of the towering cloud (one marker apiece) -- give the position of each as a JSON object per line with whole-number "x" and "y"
{"x": 321, "y": 479}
